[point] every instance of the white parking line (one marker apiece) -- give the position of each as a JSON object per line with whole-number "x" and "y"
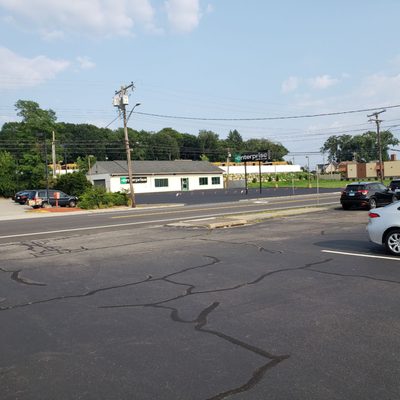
{"x": 344, "y": 253}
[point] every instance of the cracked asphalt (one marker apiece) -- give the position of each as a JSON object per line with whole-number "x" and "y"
{"x": 251, "y": 312}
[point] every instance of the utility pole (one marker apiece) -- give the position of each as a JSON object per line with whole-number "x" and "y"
{"x": 228, "y": 160}
{"x": 378, "y": 135}
{"x": 121, "y": 100}
{"x": 53, "y": 153}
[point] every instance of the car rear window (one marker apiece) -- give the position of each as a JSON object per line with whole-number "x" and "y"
{"x": 354, "y": 188}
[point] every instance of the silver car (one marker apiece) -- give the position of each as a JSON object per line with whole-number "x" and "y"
{"x": 384, "y": 227}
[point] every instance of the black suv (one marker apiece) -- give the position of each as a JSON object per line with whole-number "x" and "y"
{"x": 394, "y": 185}
{"x": 367, "y": 194}
{"x": 38, "y": 198}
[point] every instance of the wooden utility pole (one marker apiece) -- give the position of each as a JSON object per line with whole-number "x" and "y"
{"x": 121, "y": 100}
{"x": 53, "y": 154}
{"x": 378, "y": 135}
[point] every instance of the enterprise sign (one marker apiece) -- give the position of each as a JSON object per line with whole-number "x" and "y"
{"x": 123, "y": 180}
{"x": 260, "y": 156}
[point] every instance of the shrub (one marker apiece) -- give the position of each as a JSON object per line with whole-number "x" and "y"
{"x": 74, "y": 184}
{"x": 97, "y": 197}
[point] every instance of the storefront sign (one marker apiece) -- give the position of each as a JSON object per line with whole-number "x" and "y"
{"x": 123, "y": 180}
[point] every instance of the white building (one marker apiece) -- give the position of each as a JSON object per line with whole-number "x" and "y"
{"x": 157, "y": 176}
{"x": 254, "y": 168}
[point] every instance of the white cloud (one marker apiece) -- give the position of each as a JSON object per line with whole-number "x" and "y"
{"x": 322, "y": 82}
{"x": 99, "y": 18}
{"x": 290, "y": 84}
{"x": 85, "y": 63}
{"x": 183, "y": 15}
{"x": 91, "y": 17}
{"x": 17, "y": 71}
{"x": 381, "y": 86}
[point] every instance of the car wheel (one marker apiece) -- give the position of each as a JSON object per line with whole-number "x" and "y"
{"x": 392, "y": 242}
{"x": 46, "y": 205}
{"x": 394, "y": 198}
{"x": 72, "y": 203}
{"x": 345, "y": 206}
{"x": 372, "y": 203}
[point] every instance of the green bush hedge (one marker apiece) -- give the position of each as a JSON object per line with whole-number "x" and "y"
{"x": 97, "y": 197}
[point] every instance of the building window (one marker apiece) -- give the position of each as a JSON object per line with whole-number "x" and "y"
{"x": 215, "y": 180}
{"x": 161, "y": 182}
{"x": 203, "y": 181}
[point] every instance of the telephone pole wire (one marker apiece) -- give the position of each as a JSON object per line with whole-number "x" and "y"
{"x": 121, "y": 100}
{"x": 378, "y": 135}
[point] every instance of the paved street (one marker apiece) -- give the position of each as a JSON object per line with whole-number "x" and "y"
{"x": 284, "y": 309}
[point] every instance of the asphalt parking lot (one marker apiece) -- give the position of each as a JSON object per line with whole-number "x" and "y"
{"x": 299, "y": 307}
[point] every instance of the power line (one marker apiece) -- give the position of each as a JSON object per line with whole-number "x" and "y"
{"x": 267, "y": 118}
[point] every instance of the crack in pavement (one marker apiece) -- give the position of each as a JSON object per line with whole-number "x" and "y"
{"x": 57, "y": 250}
{"x": 149, "y": 278}
{"x": 42, "y": 249}
{"x": 74, "y": 296}
{"x": 200, "y": 323}
{"x": 259, "y": 248}
{"x": 190, "y": 292}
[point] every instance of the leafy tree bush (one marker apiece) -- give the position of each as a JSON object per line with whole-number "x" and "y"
{"x": 74, "y": 184}
{"x": 97, "y": 197}
{"x": 7, "y": 172}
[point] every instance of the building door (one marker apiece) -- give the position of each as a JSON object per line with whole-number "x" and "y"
{"x": 184, "y": 184}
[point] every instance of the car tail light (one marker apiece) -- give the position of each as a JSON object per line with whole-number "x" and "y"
{"x": 373, "y": 215}
{"x": 363, "y": 192}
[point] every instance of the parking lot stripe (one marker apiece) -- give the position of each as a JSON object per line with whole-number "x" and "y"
{"x": 344, "y": 253}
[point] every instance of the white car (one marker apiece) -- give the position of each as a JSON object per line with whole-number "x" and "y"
{"x": 384, "y": 227}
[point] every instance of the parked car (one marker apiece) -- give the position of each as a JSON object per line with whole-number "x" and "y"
{"x": 22, "y": 196}
{"x": 38, "y": 198}
{"x": 367, "y": 194}
{"x": 394, "y": 185}
{"x": 384, "y": 227}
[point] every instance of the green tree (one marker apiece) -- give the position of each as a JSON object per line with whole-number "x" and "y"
{"x": 32, "y": 172}
{"x": 34, "y": 118}
{"x": 189, "y": 147}
{"x": 211, "y": 146}
{"x": 234, "y": 141}
{"x": 8, "y": 181}
{"x": 74, "y": 184}
{"x": 164, "y": 146}
{"x": 84, "y": 163}
{"x": 362, "y": 147}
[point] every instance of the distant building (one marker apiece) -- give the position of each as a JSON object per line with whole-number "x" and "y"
{"x": 254, "y": 168}
{"x": 328, "y": 168}
{"x": 156, "y": 176}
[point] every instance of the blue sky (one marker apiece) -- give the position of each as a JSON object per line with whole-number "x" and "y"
{"x": 208, "y": 59}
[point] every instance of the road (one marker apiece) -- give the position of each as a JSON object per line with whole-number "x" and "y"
{"x": 79, "y": 222}
{"x": 300, "y": 307}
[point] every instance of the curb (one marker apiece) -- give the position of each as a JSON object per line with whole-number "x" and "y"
{"x": 231, "y": 221}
